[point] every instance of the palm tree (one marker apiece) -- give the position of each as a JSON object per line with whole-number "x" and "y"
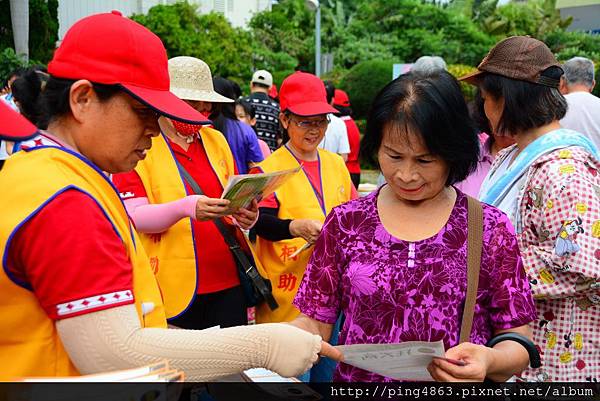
{"x": 19, "y": 15}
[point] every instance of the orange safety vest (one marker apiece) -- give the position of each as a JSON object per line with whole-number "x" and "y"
{"x": 29, "y": 342}
{"x": 297, "y": 200}
{"x": 172, "y": 253}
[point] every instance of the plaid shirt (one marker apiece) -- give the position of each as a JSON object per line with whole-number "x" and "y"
{"x": 560, "y": 247}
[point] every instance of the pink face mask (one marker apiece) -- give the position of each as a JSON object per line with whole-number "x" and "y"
{"x": 185, "y": 128}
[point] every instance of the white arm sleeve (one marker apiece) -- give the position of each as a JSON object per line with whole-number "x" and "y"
{"x": 112, "y": 339}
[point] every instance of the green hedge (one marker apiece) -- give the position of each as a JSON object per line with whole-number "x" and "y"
{"x": 364, "y": 81}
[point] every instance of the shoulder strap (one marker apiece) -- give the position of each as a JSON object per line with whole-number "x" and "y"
{"x": 475, "y": 245}
{"x": 249, "y": 269}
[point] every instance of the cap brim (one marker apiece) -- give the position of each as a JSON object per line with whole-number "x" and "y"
{"x": 167, "y": 104}
{"x": 13, "y": 126}
{"x": 312, "y": 109}
{"x": 472, "y": 78}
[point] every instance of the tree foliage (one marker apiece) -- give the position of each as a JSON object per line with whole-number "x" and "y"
{"x": 43, "y": 28}
{"x": 209, "y": 37}
{"x": 288, "y": 29}
{"x": 10, "y": 61}
{"x": 364, "y": 81}
{"x": 356, "y": 32}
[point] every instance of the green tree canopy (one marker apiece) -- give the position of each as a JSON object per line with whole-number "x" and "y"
{"x": 43, "y": 28}
{"x": 210, "y": 37}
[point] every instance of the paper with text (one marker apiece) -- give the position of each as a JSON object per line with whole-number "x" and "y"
{"x": 241, "y": 189}
{"x": 404, "y": 361}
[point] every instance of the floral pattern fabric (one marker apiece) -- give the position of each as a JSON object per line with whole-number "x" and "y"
{"x": 559, "y": 238}
{"x": 392, "y": 290}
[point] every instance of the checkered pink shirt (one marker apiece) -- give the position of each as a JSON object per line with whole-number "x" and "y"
{"x": 560, "y": 247}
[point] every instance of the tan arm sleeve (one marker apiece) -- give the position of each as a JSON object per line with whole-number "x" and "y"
{"x": 112, "y": 339}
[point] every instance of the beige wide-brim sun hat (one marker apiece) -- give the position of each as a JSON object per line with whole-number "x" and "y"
{"x": 191, "y": 79}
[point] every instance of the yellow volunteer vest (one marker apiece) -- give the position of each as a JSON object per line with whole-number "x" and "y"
{"x": 173, "y": 253}
{"x": 297, "y": 200}
{"x": 29, "y": 343}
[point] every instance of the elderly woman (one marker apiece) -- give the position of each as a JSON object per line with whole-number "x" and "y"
{"x": 77, "y": 292}
{"x": 548, "y": 184}
{"x": 198, "y": 278}
{"x": 291, "y": 219}
{"x": 395, "y": 262}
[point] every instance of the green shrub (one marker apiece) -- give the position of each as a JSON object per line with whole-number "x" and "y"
{"x": 43, "y": 28}
{"x": 458, "y": 70}
{"x": 364, "y": 81}
{"x": 279, "y": 76}
{"x": 336, "y": 76}
{"x": 10, "y": 61}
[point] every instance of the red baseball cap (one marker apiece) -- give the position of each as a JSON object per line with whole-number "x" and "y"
{"x": 304, "y": 94}
{"x": 340, "y": 98}
{"x": 111, "y": 49}
{"x": 13, "y": 126}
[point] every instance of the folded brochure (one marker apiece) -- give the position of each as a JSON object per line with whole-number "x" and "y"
{"x": 403, "y": 361}
{"x": 243, "y": 188}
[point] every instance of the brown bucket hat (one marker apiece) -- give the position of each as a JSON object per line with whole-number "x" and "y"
{"x": 518, "y": 57}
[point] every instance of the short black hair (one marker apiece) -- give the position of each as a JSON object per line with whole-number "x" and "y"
{"x": 260, "y": 85}
{"x": 42, "y": 104}
{"x": 248, "y": 107}
{"x": 330, "y": 89}
{"x": 223, "y": 111}
{"x": 526, "y": 105}
{"x": 16, "y": 73}
{"x": 236, "y": 89}
{"x": 343, "y": 111}
{"x": 477, "y": 112}
{"x": 430, "y": 106}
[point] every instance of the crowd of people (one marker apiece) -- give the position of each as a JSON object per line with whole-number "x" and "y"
{"x": 119, "y": 251}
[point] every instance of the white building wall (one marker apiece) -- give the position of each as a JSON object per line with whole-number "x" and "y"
{"x": 238, "y": 12}
{"x": 586, "y": 18}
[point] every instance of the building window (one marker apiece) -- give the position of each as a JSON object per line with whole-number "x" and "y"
{"x": 219, "y": 6}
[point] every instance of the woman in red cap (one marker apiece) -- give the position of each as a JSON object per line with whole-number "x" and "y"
{"x": 291, "y": 219}
{"x": 199, "y": 279}
{"x": 77, "y": 293}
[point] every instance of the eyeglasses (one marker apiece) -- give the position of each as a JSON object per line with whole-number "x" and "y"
{"x": 308, "y": 124}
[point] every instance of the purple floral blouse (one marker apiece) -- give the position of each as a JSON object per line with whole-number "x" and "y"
{"x": 392, "y": 290}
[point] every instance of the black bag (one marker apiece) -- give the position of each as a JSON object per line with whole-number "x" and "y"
{"x": 251, "y": 293}
{"x": 257, "y": 289}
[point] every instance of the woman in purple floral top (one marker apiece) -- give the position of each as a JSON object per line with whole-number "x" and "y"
{"x": 395, "y": 261}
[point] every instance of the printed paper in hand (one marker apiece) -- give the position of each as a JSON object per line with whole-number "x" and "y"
{"x": 405, "y": 361}
{"x": 241, "y": 189}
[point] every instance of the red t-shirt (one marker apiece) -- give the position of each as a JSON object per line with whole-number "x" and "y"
{"x": 71, "y": 257}
{"x": 312, "y": 171}
{"x": 354, "y": 139}
{"x": 216, "y": 267}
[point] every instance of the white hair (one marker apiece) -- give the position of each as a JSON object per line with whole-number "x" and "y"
{"x": 579, "y": 70}
{"x": 428, "y": 65}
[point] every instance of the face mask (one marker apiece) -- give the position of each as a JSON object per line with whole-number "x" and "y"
{"x": 186, "y": 129}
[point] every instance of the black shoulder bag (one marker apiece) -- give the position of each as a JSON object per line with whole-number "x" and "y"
{"x": 256, "y": 288}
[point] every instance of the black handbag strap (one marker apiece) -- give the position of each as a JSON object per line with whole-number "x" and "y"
{"x": 249, "y": 269}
